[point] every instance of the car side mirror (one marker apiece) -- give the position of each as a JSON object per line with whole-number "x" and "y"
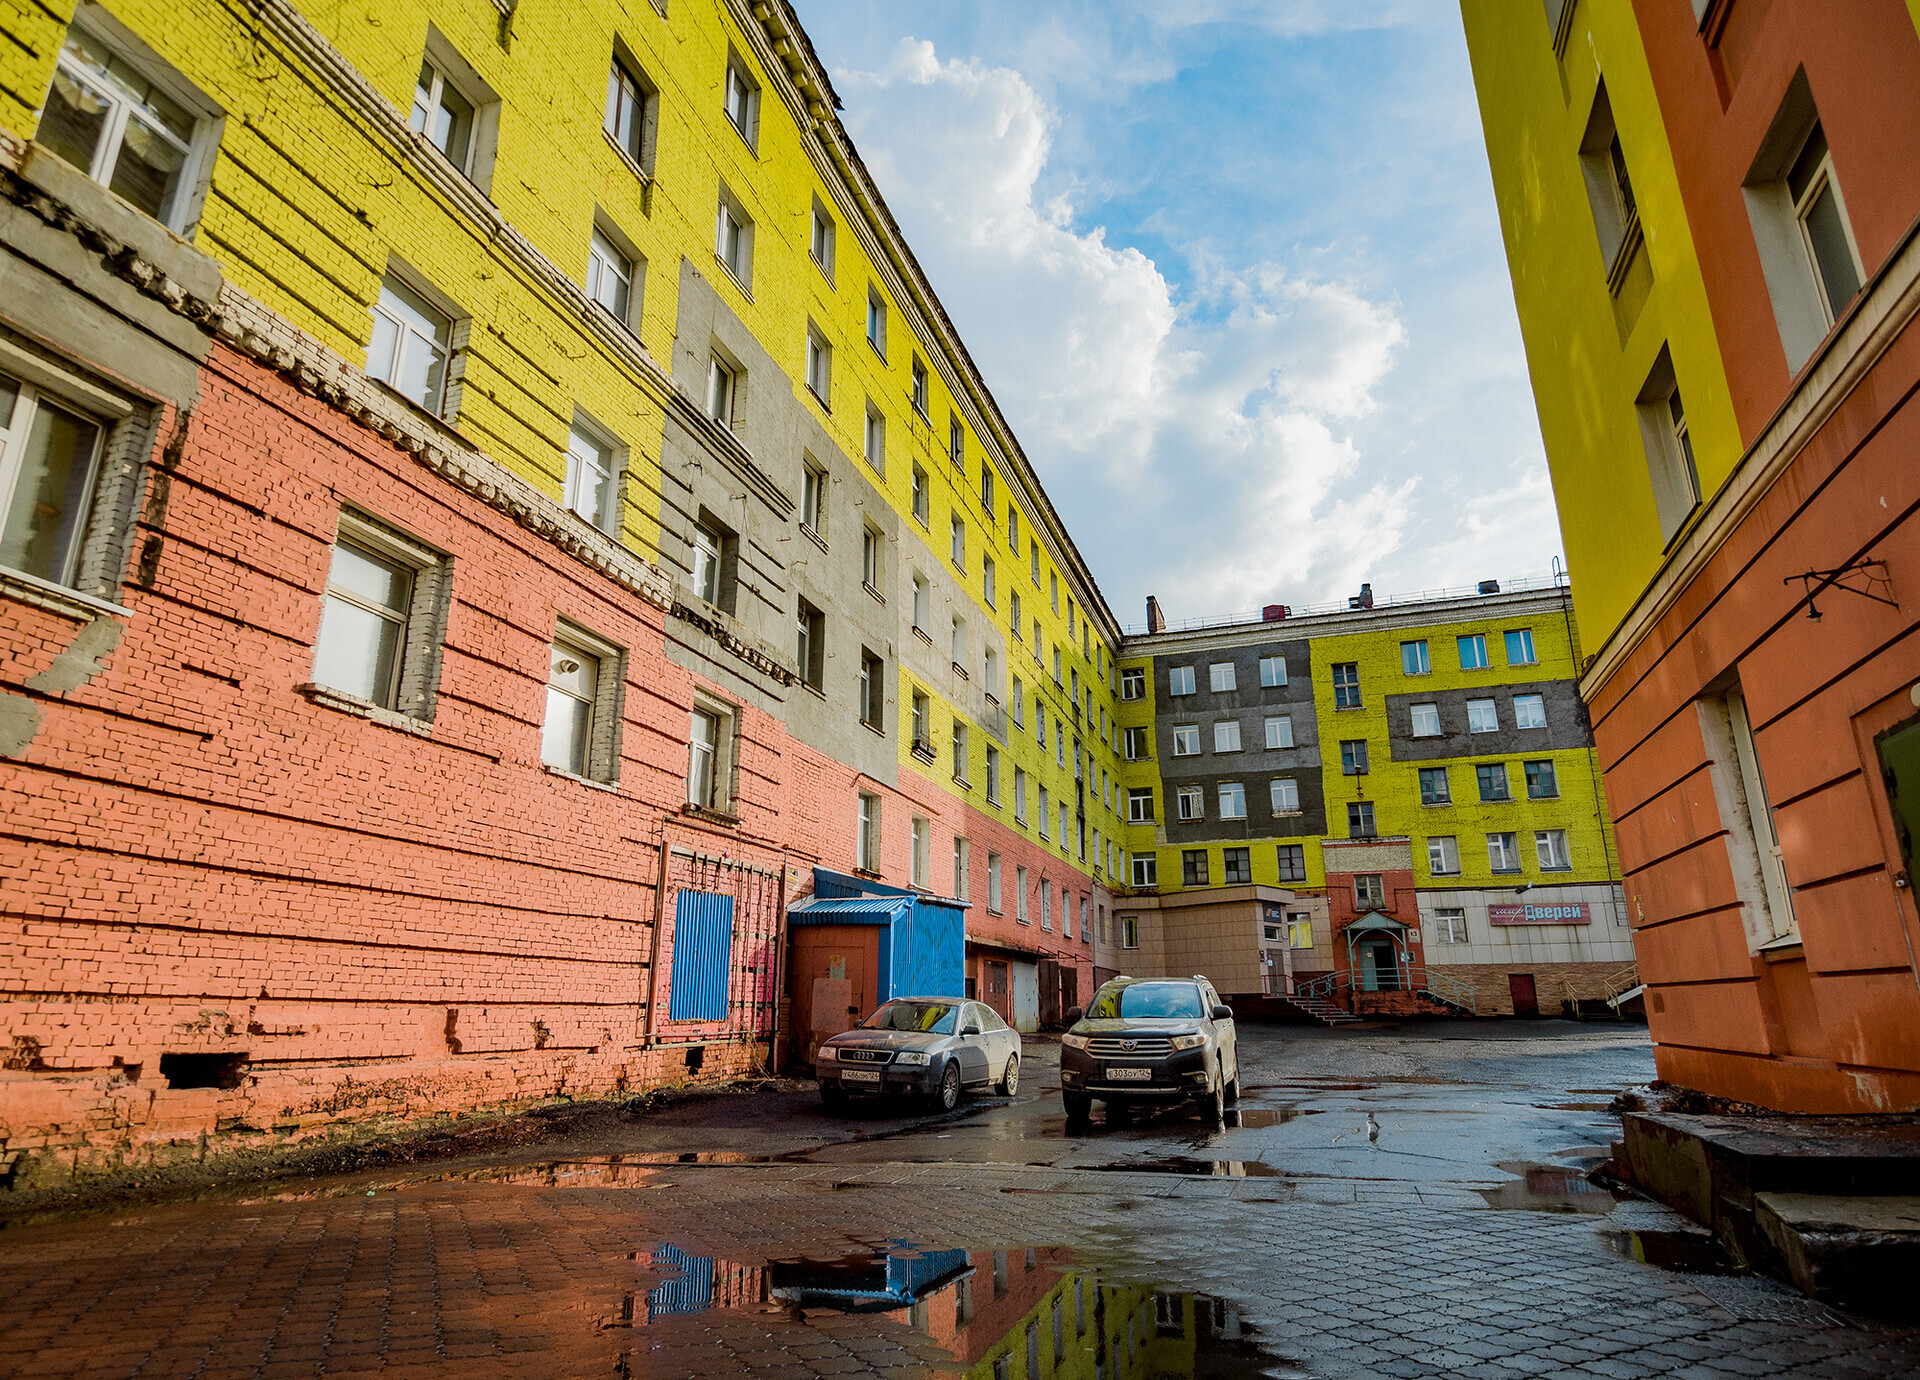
{"x": 969, "y": 1032}
{"x": 1074, "y": 1014}
{"x": 1220, "y": 1013}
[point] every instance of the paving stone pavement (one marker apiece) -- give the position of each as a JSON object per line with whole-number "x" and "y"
{"x": 601, "y": 1266}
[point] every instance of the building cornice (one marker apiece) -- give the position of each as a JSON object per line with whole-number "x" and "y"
{"x": 1882, "y": 311}
{"x": 1425, "y": 614}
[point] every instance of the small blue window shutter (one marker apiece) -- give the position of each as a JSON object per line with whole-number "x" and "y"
{"x": 702, "y": 956}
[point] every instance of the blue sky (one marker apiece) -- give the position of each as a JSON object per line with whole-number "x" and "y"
{"x": 1233, "y": 271}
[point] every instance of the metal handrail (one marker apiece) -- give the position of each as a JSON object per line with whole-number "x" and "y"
{"x": 1525, "y": 584}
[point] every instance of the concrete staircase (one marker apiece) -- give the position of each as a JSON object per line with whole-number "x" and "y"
{"x": 1320, "y": 1009}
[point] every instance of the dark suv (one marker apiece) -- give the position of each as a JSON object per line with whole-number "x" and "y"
{"x": 1151, "y": 1040}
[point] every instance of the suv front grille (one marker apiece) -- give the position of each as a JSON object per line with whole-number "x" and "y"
{"x": 865, "y": 1056}
{"x": 1130, "y": 1046}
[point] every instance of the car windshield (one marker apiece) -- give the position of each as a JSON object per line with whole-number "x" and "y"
{"x": 1148, "y": 1000}
{"x": 926, "y": 1017}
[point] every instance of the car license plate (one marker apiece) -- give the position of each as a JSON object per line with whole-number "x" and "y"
{"x": 860, "y": 1075}
{"x": 1129, "y": 1075}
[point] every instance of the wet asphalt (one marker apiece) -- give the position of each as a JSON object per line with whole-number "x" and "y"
{"x": 759, "y": 1234}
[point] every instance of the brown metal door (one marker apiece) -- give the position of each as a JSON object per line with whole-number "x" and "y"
{"x": 1525, "y": 1002}
{"x": 998, "y": 995}
{"x": 835, "y": 976}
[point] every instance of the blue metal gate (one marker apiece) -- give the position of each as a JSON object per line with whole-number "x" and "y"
{"x": 702, "y": 956}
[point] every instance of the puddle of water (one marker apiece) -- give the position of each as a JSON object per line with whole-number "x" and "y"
{"x": 1574, "y": 1106}
{"x": 1549, "y": 1188}
{"x": 1689, "y": 1252}
{"x": 1258, "y": 1118}
{"x": 1181, "y": 1164}
{"x": 984, "y": 1315}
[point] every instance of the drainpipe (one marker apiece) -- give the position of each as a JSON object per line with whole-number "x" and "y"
{"x": 648, "y": 1038}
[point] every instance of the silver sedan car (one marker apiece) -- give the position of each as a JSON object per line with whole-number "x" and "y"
{"x": 922, "y": 1046}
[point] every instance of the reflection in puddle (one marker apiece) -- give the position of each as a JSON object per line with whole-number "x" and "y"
{"x": 1690, "y": 1252}
{"x": 1181, "y": 1164}
{"x": 1549, "y": 1188}
{"x": 1574, "y": 1106}
{"x": 1258, "y": 1118}
{"x": 983, "y": 1315}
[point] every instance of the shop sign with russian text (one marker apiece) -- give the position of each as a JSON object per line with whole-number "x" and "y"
{"x": 1572, "y": 913}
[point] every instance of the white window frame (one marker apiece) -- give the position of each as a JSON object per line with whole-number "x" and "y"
{"x": 1550, "y": 847}
{"x": 1443, "y": 855}
{"x": 821, "y": 233}
{"x": 1532, "y": 656}
{"x": 412, "y": 680}
{"x": 733, "y": 239}
{"x": 819, "y": 365}
{"x": 631, "y": 112}
{"x": 1188, "y": 734}
{"x": 1020, "y": 913}
{"x": 1190, "y": 803}
{"x": 813, "y": 496}
{"x": 993, "y": 884}
{"x": 873, "y": 560}
{"x": 1179, "y": 680}
{"x": 1450, "y": 925}
{"x": 1503, "y": 848}
{"x": 876, "y": 439}
{"x": 593, "y": 464}
{"x": 740, "y": 99}
{"x": 1273, "y": 672}
{"x": 1143, "y": 870}
{"x": 392, "y": 365}
{"x": 613, "y": 277}
{"x": 1523, "y": 707}
{"x": 1483, "y": 716}
{"x": 920, "y": 831}
{"x": 723, "y": 387}
{"x": 1283, "y": 795}
{"x": 599, "y": 760}
{"x": 1220, "y": 677}
{"x": 1133, "y": 683}
{"x": 876, "y": 320}
{"x": 867, "y": 832}
{"x": 1477, "y": 641}
{"x": 16, "y": 436}
{"x": 710, "y": 744}
{"x": 1424, "y": 720}
{"x": 1232, "y": 800}
{"x": 707, "y": 546}
{"x": 1139, "y": 804}
{"x": 1420, "y": 663}
{"x": 1226, "y": 735}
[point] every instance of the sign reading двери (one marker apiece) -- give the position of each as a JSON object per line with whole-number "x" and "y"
{"x": 1572, "y": 913}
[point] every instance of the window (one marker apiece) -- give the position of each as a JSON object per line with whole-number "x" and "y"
{"x": 1133, "y": 683}
{"x": 379, "y": 620}
{"x": 111, "y": 118}
{"x": 1053, "y": 587}
{"x": 1483, "y": 716}
{"x": 1669, "y": 446}
{"x": 1014, "y": 621}
{"x": 48, "y": 459}
{"x": 1551, "y": 846}
{"x": 1473, "y": 652}
{"x": 1020, "y": 896}
{"x": 873, "y": 690}
{"x": 1040, "y": 724}
{"x": 590, "y": 488}
{"x": 819, "y": 365}
{"x": 444, "y": 115}
{"x": 1426, "y": 720}
{"x": 1144, "y": 868}
{"x": 1346, "y": 685}
{"x": 919, "y": 394}
{"x": 1503, "y": 852}
{"x": 1450, "y": 926}
{"x": 632, "y": 114}
{"x": 1236, "y": 866}
{"x": 1220, "y": 676}
{"x": 1139, "y": 804}
{"x": 610, "y": 275}
{"x": 810, "y": 645}
{"x": 872, "y": 552}
{"x": 993, "y": 775}
{"x": 919, "y": 830}
{"x": 1013, "y": 529}
{"x": 1753, "y": 840}
{"x": 1610, "y": 197}
{"x": 922, "y": 498}
{"x": 820, "y": 239}
{"x": 1492, "y": 777}
{"x": 877, "y": 320}
{"x": 957, "y": 541}
{"x": 1443, "y": 856}
{"x": 987, "y": 581}
{"x": 1369, "y": 890}
{"x": 733, "y": 239}
{"x": 411, "y": 341}
{"x": 1033, "y": 561}
{"x": 1520, "y": 648}
{"x": 867, "y": 841}
{"x": 1186, "y": 740}
{"x": 722, "y": 379}
{"x": 1130, "y": 924}
{"x": 1135, "y": 745}
{"x": 1189, "y": 803}
{"x": 1020, "y": 794}
{"x": 1529, "y": 711}
{"x": 1193, "y": 868}
{"x": 1273, "y": 671}
{"x": 1299, "y": 930}
{"x": 1413, "y": 658}
{"x": 1822, "y": 219}
{"x": 742, "y": 99}
{"x": 922, "y": 604}
{"x": 578, "y": 733}
{"x": 986, "y": 488}
{"x": 921, "y": 722}
{"x": 990, "y": 671}
{"x": 813, "y": 497}
{"x": 1180, "y": 680}
{"x": 993, "y": 883}
{"x": 1541, "y": 782}
{"x": 1019, "y": 702}
{"x": 1233, "y": 800}
{"x": 1226, "y": 736}
{"x": 1056, "y": 665}
{"x": 959, "y": 644}
{"x": 1434, "y": 789}
{"x": 1293, "y": 862}
{"x": 876, "y": 440}
{"x": 708, "y": 544}
{"x": 1360, "y": 819}
{"x": 1284, "y": 793}
{"x": 1280, "y": 731}
{"x": 1353, "y": 757}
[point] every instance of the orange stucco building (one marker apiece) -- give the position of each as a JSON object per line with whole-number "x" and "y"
{"x": 1726, "y": 394}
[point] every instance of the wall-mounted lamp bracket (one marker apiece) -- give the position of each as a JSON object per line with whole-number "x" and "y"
{"x": 1817, "y": 582}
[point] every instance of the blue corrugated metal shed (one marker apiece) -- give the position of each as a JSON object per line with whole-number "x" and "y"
{"x": 925, "y": 951}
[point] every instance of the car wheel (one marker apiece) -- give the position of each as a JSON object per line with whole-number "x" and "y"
{"x": 1233, "y": 1087}
{"x": 1010, "y": 1084}
{"x": 948, "y": 1097}
{"x": 1078, "y": 1105}
{"x": 1213, "y": 1104}
{"x": 832, "y": 1095}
